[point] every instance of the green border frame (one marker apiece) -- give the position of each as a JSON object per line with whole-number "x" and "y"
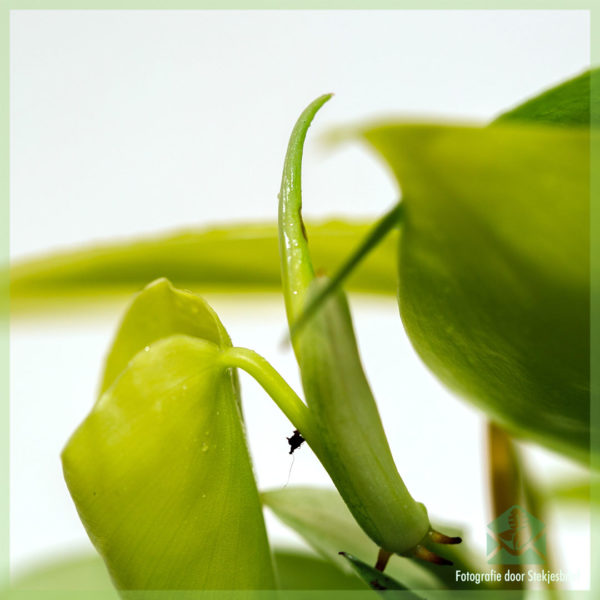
{"x": 593, "y": 6}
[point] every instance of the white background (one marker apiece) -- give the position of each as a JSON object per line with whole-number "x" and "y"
{"x": 133, "y": 123}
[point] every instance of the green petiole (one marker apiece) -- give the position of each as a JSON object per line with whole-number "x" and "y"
{"x": 273, "y": 383}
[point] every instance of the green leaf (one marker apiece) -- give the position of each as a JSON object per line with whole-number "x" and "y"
{"x": 576, "y": 492}
{"x": 569, "y": 490}
{"x": 494, "y": 268}
{"x": 157, "y": 312}
{"x": 231, "y": 259}
{"x": 76, "y": 572}
{"x": 303, "y": 571}
{"x": 568, "y": 104}
{"x": 161, "y": 476}
{"x": 296, "y": 570}
{"x": 322, "y": 518}
{"x": 374, "y": 578}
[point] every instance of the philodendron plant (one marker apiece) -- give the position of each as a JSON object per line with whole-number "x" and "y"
{"x": 492, "y": 255}
{"x": 160, "y": 471}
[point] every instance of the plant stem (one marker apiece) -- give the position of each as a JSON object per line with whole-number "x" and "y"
{"x": 503, "y": 470}
{"x": 351, "y": 442}
{"x": 282, "y": 394}
{"x": 383, "y": 558}
{"x": 505, "y": 480}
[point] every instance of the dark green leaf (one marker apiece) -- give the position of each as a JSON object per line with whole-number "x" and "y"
{"x": 494, "y": 268}
{"x": 376, "y": 579}
{"x": 568, "y": 104}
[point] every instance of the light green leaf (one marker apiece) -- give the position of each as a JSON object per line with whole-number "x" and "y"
{"x": 161, "y": 477}
{"x": 494, "y": 268}
{"x": 568, "y": 104}
{"x": 76, "y": 572}
{"x": 342, "y": 409}
{"x": 157, "y": 312}
{"x": 231, "y": 259}
{"x": 296, "y": 570}
{"x": 322, "y": 518}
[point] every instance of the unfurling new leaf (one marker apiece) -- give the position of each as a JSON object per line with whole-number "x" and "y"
{"x": 346, "y": 431}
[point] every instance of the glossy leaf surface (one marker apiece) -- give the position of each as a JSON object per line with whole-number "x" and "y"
{"x": 159, "y": 470}
{"x": 160, "y": 311}
{"x": 494, "y": 268}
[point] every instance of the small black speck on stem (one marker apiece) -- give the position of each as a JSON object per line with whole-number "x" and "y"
{"x": 295, "y": 441}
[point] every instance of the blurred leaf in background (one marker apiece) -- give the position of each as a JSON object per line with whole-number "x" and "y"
{"x": 235, "y": 258}
{"x": 296, "y": 570}
{"x": 494, "y": 267}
